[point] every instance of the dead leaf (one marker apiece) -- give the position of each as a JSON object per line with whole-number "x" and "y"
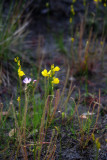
{"x": 83, "y": 117}
{"x": 12, "y": 132}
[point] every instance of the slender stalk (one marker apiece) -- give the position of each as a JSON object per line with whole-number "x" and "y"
{"x": 20, "y": 97}
{"x": 25, "y": 113}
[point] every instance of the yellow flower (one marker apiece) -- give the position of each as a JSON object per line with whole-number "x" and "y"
{"x": 72, "y": 39}
{"x": 16, "y": 59}
{"x": 45, "y": 73}
{"x": 101, "y": 43}
{"x": 74, "y": 1}
{"x": 20, "y": 72}
{"x": 50, "y": 73}
{"x": 47, "y": 4}
{"x": 53, "y": 70}
{"x": 95, "y": 0}
{"x": 56, "y": 69}
{"x": 72, "y": 10}
{"x": 70, "y": 20}
{"x": 87, "y": 43}
{"x": 55, "y": 80}
{"x": 105, "y": 5}
{"x": 18, "y": 99}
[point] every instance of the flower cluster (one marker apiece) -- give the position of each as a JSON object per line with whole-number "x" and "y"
{"x": 20, "y": 72}
{"x": 51, "y": 74}
{"x": 72, "y": 10}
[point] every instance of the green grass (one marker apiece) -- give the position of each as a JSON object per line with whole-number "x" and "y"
{"x": 11, "y": 28}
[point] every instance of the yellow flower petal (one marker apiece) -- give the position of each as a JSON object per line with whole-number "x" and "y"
{"x": 70, "y": 20}
{"x": 50, "y": 73}
{"x": 20, "y": 72}
{"x": 18, "y": 99}
{"x": 55, "y": 80}
{"x": 16, "y": 59}
{"x": 72, "y": 39}
{"x": 56, "y": 69}
{"x": 45, "y": 73}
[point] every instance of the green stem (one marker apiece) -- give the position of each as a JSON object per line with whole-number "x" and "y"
{"x": 20, "y": 101}
{"x": 96, "y": 158}
{"x": 25, "y": 113}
